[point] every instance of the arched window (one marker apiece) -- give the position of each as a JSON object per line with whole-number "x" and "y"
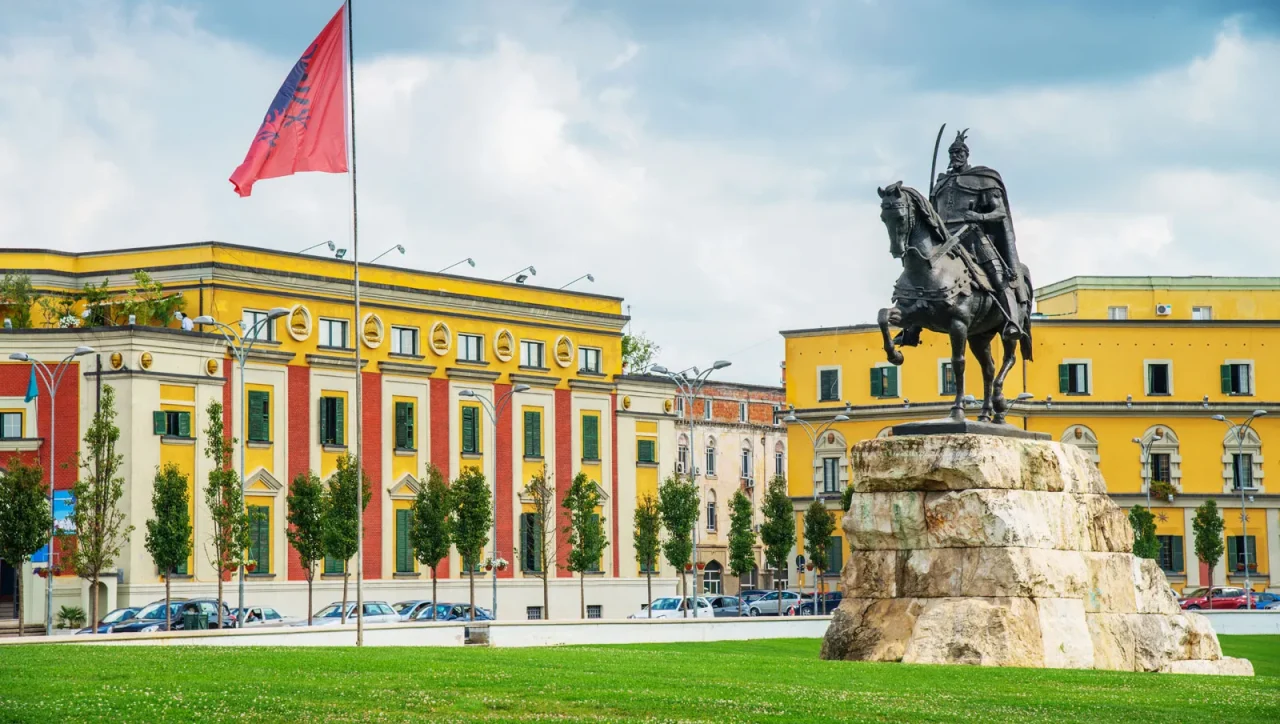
{"x": 1163, "y": 462}
{"x": 712, "y": 522}
{"x": 1083, "y": 438}
{"x": 1242, "y": 462}
{"x": 779, "y": 459}
{"x": 682, "y": 455}
{"x": 747, "y": 463}
{"x": 830, "y": 463}
{"x": 713, "y": 578}
{"x": 711, "y": 458}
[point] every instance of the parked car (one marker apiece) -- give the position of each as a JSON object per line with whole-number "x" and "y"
{"x": 112, "y": 618}
{"x": 723, "y": 606}
{"x": 751, "y": 594}
{"x": 826, "y": 603}
{"x": 1223, "y": 597}
{"x": 374, "y": 612}
{"x": 674, "y": 607}
{"x": 151, "y": 617}
{"x": 767, "y": 605}
{"x": 409, "y": 610}
{"x": 455, "y": 612}
{"x": 1266, "y": 600}
{"x": 261, "y": 616}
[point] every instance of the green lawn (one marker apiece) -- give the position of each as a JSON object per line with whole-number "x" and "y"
{"x": 718, "y": 682}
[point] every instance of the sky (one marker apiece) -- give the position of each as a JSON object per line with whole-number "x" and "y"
{"x": 714, "y": 163}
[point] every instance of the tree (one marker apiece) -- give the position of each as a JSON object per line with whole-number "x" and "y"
{"x": 25, "y": 519}
{"x": 638, "y": 352}
{"x": 100, "y": 532}
{"x": 169, "y": 532}
{"x": 147, "y": 302}
{"x": 678, "y": 506}
{"x": 818, "y": 527}
{"x": 648, "y": 542}
{"x": 742, "y": 539}
{"x": 430, "y": 533}
{"x": 778, "y": 532}
{"x": 1145, "y": 544}
{"x": 541, "y": 532}
{"x": 341, "y": 534}
{"x": 223, "y": 496}
{"x": 17, "y": 297}
{"x": 585, "y": 532}
{"x": 1208, "y": 527}
{"x": 472, "y": 517}
{"x": 306, "y": 526}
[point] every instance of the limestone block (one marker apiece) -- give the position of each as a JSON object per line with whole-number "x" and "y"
{"x": 1110, "y": 583}
{"x": 982, "y": 631}
{"x": 1064, "y": 633}
{"x": 1156, "y": 640}
{"x": 1226, "y": 666}
{"x": 1151, "y": 590}
{"x": 1023, "y": 573}
{"x": 886, "y": 521}
{"x": 931, "y": 572}
{"x": 1113, "y": 642}
{"x": 1080, "y": 474}
{"x": 1202, "y": 640}
{"x": 974, "y": 518}
{"x": 864, "y": 629}
{"x": 871, "y": 574}
{"x": 934, "y": 462}
{"x": 1108, "y": 526}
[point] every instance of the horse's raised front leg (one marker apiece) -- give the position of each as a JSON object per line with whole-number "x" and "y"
{"x": 886, "y": 317}
{"x": 959, "y": 331}
{"x": 997, "y": 398}
{"x": 981, "y": 347}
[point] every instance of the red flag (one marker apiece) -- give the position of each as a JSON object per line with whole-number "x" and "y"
{"x": 305, "y": 127}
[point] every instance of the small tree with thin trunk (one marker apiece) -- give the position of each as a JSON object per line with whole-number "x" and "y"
{"x": 742, "y": 539}
{"x": 818, "y": 527}
{"x": 778, "y": 532}
{"x": 169, "y": 532}
{"x": 229, "y": 534}
{"x": 100, "y": 530}
{"x": 25, "y": 519}
{"x": 585, "y": 532}
{"x": 648, "y": 540}
{"x": 678, "y": 506}
{"x": 541, "y": 532}
{"x": 341, "y": 534}
{"x": 1208, "y": 526}
{"x": 472, "y": 517}
{"x": 430, "y": 533}
{"x": 1145, "y": 543}
{"x": 306, "y": 526}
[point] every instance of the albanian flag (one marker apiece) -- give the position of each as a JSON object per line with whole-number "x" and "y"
{"x": 305, "y": 127}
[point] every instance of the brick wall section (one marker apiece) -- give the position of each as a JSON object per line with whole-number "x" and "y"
{"x": 227, "y": 406}
{"x": 371, "y": 461}
{"x": 724, "y": 403}
{"x": 505, "y": 481}
{"x": 298, "y": 456}
{"x": 564, "y": 476}
{"x": 615, "y": 542}
{"x": 438, "y": 432}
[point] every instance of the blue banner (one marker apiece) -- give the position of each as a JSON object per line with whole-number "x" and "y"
{"x": 63, "y": 507}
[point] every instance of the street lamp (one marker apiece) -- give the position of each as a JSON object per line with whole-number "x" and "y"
{"x": 815, "y": 436}
{"x": 588, "y": 277}
{"x": 689, "y": 382}
{"x": 397, "y": 247}
{"x": 521, "y": 273}
{"x": 241, "y": 342}
{"x": 1146, "y": 459}
{"x": 52, "y": 378}
{"x": 1241, "y": 430}
{"x": 468, "y": 260}
{"x": 494, "y": 411}
{"x": 330, "y": 244}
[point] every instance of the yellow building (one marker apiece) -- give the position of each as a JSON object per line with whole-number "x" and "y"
{"x": 1116, "y": 358}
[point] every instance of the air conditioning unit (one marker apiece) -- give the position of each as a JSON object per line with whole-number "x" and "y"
{"x": 1164, "y": 310}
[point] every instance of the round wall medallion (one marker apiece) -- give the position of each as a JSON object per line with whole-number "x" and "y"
{"x": 667, "y": 405}
{"x": 145, "y": 361}
{"x": 564, "y": 351}
{"x": 211, "y": 366}
{"x": 371, "y": 331}
{"x": 441, "y": 338}
{"x": 299, "y": 323}
{"x": 504, "y": 346}
{"x": 626, "y": 402}
{"x": 117, "y": 360}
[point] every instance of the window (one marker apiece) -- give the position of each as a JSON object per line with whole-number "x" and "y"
{"x": 260, "y": 537}
{"x": 713, "y": 578}
{"x": 405, "y": 439}
{"x": 1241, "y": 550}
{"x": 711, "y": 457}
{"x": 706, "y": 408}
{"x": 835, "y": 555}
{"x": 1073, "y": 378}
{"x": 1161, "y": 467}
{"x": 532, "y": 433}
{"x": 334, "y": 566}
{"x": 779, "y": 463}
{"x": 1237, "y": 378}
{"x": 1117, "y": 313}
{"x": 595, "y": 611}
{"x": 404, "y": 551}
{"x": 333, "y": 332}
{"x": 1241, "y": 471}
{"x": 1159, "y": 378}
{"x": 259, "y": 416}
{"x": 829, "y": 385}
{"x": 10, "y": 425}
{"x": 533, "y": 613}
{"x": 471, "y": 430}
{"x": 947, "y": 379}
{"x": 171, "y": 423}
{"x": 530, "y": 543}
{"x": 682, "y": 457}
{"x": 831, "y": 475}
{"x": 743, "y": 412}
{"x": 1202, "y": 314}
{"x": 884, "y": 382}
{"x": 256, "y": 325}
{"x": 650, "y": 566}
{"x": 532, "y": 354}
{"x": 589, "y": 359}
{"x": 1170, "y": 556}
{"x": 645, "y": 452}
{"x": 333, "y": 428}
{"x": 680, "y": 407}
{"x": 747, "y": 464}
{"x": 591, "y": 438}
{"x": 404, "y": 340}
{"x": 470, "y": 348}
{"x": 711, "y": 515}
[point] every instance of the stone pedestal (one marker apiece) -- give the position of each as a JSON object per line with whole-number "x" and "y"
{"x": 997, "y": 551}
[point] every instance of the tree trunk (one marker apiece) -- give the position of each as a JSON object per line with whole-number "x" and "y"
{"x": 1209, "y": 605}
{"x": 546, "y": 593}
{"x": 434, "y": 598}
{"x": 168, "y": 619}
{"x": 471, "y": 579}
{"x": 220, "y": 570}
{"x": 345, "y": 577}
{"x": 684, "y": 592}
{"x": 648, "y": 588}
{"x": 17, "y": 579}
{"x": 311, "y": 574}
{"x": 93, "y": 595}
{"x": 582, "y": 593}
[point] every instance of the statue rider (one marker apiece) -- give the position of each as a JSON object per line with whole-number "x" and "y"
{"x": 967, "y": 194}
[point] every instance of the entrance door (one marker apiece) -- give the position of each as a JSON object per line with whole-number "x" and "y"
{"x": 8, "y": 591}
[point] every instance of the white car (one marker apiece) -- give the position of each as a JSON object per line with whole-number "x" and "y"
{"x": 767, "y": 605}
{"x": 374, "y": 612}
{"x": 264, "y": 616}
{"x": 674, "y": 607}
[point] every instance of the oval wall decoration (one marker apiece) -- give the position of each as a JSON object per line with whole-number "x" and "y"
{"x": 372, "y": 331}
{"x": 299, "y": 323}
{"x": 441, "y": 338}
{"x": 563, "y": 351}
{"x": 504, "y": 346}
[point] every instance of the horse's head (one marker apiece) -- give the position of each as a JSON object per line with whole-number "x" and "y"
{"x": 897, "y": 215}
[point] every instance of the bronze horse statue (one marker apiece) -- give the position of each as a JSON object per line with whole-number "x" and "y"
{"x": 941, "y": 289}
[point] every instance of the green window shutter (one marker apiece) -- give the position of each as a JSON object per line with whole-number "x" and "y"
{"x": 184, "y": 424}
{"x": 595, "y": 565}
{"x": 158, "y": 424}
{"x": 264, "y": 415}
{"x": 410, "y": 439}
{"x": 400, "y": 424}
{"x": 1064, "y": 378}
{"x": 1225, "y": 373}
{"x": 644, "y": 451}
{"x": 339, "y": 428}
{"x": 404, "y": 552}
{"x": 324, "y": 421}
{"x": 1177, "y": 553}
{"x": 532, "y": 433}
{"x": 591, "y": 439}
{"x": 537, "y": 433}
{"x": 1233, "y": 552}
{"x": 469, "y": 430}
{"x": 257, "y": 416}
{"x": 259, "y": 537}
{"x": 333, "y": 565}
{"x": 877, "y": 387}
{"x": 891, "y": 384}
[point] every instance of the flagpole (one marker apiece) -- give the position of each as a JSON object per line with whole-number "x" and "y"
{"x": 359, "y": 331}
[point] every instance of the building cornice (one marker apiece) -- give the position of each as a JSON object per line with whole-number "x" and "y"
{"x": 175, "y": 377}
{"x": 467, "y": 373}
{"x": 534, "y": 380}
{"x": 408, "y": 370}
{"x": 1191, "y": 283}
{"x": 268, "y": 355}
{"x": 1039, "y": 408}
{"x": 592, "y": 386}
{"x": 333, "y": 362}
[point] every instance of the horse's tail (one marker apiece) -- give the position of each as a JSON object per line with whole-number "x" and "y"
{"x": 1024, "y": 342}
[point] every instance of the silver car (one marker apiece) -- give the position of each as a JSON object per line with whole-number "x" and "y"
{"x": 374, "y": 612}
{"x": 767, "y": 605}
{"x": 409, "y": 610}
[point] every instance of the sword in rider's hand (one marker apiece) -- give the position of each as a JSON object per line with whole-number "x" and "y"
{"x": 933, "y": 164}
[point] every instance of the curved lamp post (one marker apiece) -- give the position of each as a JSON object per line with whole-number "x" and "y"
{"x": 520, "y": 275}
{"x": 397, "y": 247}
{"x": 815, "y": 436}
{"x": 1145, "y": 447}
{"x": 1241, "y": 430}
{"x": 588, "y": 277}
{"x": 468, "y": 260}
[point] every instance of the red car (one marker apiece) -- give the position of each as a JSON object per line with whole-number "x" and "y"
{"x": 1223, "y": 597}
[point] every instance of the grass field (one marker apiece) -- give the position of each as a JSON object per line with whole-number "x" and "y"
{"x": 780, "y": 680}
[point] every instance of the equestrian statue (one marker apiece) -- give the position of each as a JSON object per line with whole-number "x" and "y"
{"x": 960, "y": 273}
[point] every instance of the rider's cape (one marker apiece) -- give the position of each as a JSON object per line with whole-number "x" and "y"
{"x": 975, "y": 180}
